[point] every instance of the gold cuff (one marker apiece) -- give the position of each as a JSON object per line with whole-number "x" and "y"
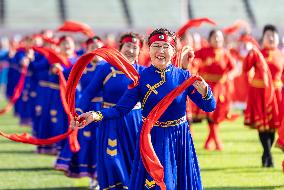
{"x": 207, "y": 97}
{"x": 100, "y": 116}
{"x": 206, "y": 94}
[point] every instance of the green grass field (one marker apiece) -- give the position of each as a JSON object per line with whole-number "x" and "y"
{"x": 236, "y": 167}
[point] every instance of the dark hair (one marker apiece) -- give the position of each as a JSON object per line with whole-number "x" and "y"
{"x": 132, "y": 35}
{"x": 212, "y": 32}
{"x": 269, "y": 27}
{"x": 65, "y": 37}
{"x": 93, "y": 39}
{"x": 163, "y": 31}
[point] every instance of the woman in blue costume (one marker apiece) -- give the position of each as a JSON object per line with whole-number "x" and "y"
{"x": 171, "y": 137}
{"x": 83, "y": 163}
{"x": 54, "y": 120}
{"x": 22, "y": 107}
{"x": 41, "y": 70}
{"x": 116, "y": 138}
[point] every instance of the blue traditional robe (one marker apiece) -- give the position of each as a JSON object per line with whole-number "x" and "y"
{"x": 171, "y": 137}
{"x": 116, "y": 138}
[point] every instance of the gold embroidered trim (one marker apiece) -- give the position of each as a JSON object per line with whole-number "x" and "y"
{"x": 278, "y": 84}
{"x": 168, "y": 123}
{"x": 79, "y": 110}
{"x": 100, "y": 116}
{"x": 155, "y": 86}
{"x": 49, "y": 85}
{"x": 38, "y": 110}
{"x": 25, "y": 98}
{"x": 97, "y": 99}
{"x": 87, "y": 133}
{"x": 112, "y": 143}
{"x": 33, "y": 94}
{"x": 259, "y": 83}
{"x": 111, "y": 152}
{"x": 214, "y": 77}
{"x": 149, "y": 184}
{"x": 112, "y": 74}
{"x": 90, "y": 69}
{"x": 53, "y": 112}
{"x": 108, "y": 105}
{"x": 54, "y": 120}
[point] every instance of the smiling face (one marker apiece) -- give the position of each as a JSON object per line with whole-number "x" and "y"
{"x": 161, "y": 53}
{"x": 270, "y": 39}
{"x": 130, "y": 51}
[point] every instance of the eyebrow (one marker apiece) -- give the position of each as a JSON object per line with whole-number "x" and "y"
{"x": 156, "y": 43}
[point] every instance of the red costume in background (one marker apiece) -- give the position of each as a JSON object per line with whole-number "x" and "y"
{"x": 240, "y": 94}
{"x": 214, "y": 66}
{"x": 260, "y": 113}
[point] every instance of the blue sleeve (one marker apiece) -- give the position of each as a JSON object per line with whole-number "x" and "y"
{"x": 92, "y": 89}
{"x": 18, "y": 57}
{"x": 124, "y": 105}
{"x": 4, "y": 55}
{"x": 207, "y": 104}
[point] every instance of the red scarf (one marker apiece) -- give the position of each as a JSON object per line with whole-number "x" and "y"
{"x": 73, "y": 26}
{"x": 52, "y": 58}
{"x": 113, "y": 57}
{"x": 193, "y": 23}
{"x": 17, "y": 91}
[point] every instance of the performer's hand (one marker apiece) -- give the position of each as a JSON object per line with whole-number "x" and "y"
{"x": 86, "y": 118}
{"x": 73, "y": 123}
{"x": 30, "y": 54}
{"x": 201, "y": 86}
{"x": 25, "y": 61}
{"x": 56, "y": 67}
{"x": 187, "y": 56}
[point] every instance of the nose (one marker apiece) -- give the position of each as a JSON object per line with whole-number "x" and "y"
{"x": 161, "y": 49}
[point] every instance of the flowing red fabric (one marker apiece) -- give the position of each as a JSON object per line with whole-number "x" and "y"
{"x": 236, "y": 27}
{"x": 18, "y": 88}
{"x": 73, "y": 26}
{"x": 28, "y": 139}
{"x": 52, "y": 58}
{"x": 50, "y": 40}
{"x": 248, "y": 38}
{"x": 193, "y": 23}
{"x": 17, "y": 91}
{"x": 149, "y": 157}
{"x": 266, "y": 75}
{"x": 113, "y": 57}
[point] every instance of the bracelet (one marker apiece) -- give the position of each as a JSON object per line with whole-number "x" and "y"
{"x": 100, "y": 116}
{"x": 207, "y": 97}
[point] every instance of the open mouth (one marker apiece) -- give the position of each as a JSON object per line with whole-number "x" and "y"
{"x": 161, "y": 58}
